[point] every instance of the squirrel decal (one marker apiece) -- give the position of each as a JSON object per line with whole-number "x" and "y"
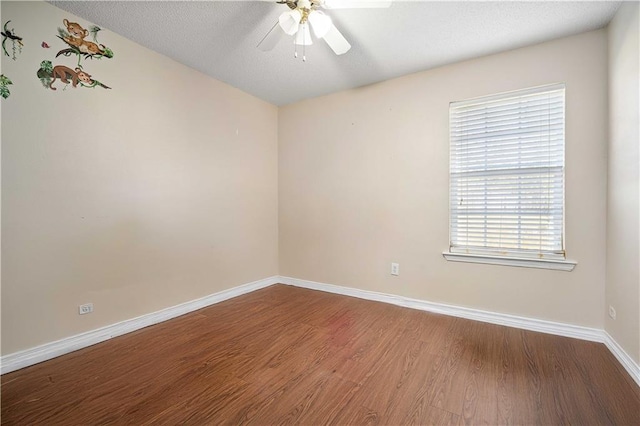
{"x": 76, "y": 38}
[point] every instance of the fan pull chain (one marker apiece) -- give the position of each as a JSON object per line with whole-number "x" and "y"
{"x": 304, "y": 44}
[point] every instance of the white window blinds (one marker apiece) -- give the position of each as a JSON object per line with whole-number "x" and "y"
{"x": 507, "y": 174}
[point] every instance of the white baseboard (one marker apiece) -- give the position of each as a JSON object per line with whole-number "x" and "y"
{"x": 584, "y": 333}
{"x": 25, "y": 358}
{"x": 627, "y": 362}
{"x": 550, "y": 327}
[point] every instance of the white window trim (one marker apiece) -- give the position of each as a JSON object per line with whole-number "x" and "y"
{"x": 558, "y": 265}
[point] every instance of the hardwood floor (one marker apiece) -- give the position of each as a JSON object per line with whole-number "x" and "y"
{"x": 285, "y": 355}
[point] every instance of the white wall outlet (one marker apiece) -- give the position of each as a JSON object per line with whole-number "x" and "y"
{"x": 87, "y": 308}
{"x": 612, "y": 312}
{"x": 395, "y": 269}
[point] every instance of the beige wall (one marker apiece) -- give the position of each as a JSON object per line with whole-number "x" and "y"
{"x": 363, "y": 182}
{"x": 623, "y": 213}
{"x": 157, "y": 192}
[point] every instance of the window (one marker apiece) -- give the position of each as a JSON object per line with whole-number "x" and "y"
{"x": 506, "y": 190}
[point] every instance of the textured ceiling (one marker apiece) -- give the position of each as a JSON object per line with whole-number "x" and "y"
{"x": 219, "y": 38}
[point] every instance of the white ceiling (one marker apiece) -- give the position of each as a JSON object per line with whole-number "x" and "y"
{"x": 219, "y": 38}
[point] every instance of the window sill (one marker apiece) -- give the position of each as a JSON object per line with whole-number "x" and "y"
{"x": 558, "y": 265}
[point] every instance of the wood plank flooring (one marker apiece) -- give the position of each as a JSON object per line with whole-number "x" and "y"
{"x": 285, "y": 355}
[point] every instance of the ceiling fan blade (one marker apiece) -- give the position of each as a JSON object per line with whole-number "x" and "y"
{"x": 272, "y": 38}
{"x": 355, "y": 4}
{"x": 336, "y": 41}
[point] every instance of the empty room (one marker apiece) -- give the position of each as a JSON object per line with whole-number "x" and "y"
{"x": 320, "y": 212}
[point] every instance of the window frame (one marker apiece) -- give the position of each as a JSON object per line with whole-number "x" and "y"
{"x": 505, "y": 256}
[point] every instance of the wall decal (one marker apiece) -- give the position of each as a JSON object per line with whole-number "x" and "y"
{"x": 74, "y": 35}
{"x": 45, "y": 73}
{"x": 93, "y": 30}
{"x": 4, "y": 82}
{"x": 48, "y": 75}
{"x": 16, "y": 41}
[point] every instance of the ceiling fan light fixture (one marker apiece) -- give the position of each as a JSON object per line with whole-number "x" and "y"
{"x": 303, "y": 36}
{"x": 290, "y": 21}
{"x": 320, "y": 23}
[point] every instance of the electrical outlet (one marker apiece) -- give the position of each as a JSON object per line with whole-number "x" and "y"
{"x": 87, "y": 308}
{"x": 612, "y": 312}
{"x": 395, "y": 269}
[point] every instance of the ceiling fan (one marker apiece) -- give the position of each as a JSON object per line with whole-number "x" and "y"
{"x": 304, "y": 16}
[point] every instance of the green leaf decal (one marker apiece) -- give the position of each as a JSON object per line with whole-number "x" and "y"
{"x": 94, "y": 29}
{"x": 62, "y": 33}
{"x": 4, "y": 82}
{"x": 47, "y": 66}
